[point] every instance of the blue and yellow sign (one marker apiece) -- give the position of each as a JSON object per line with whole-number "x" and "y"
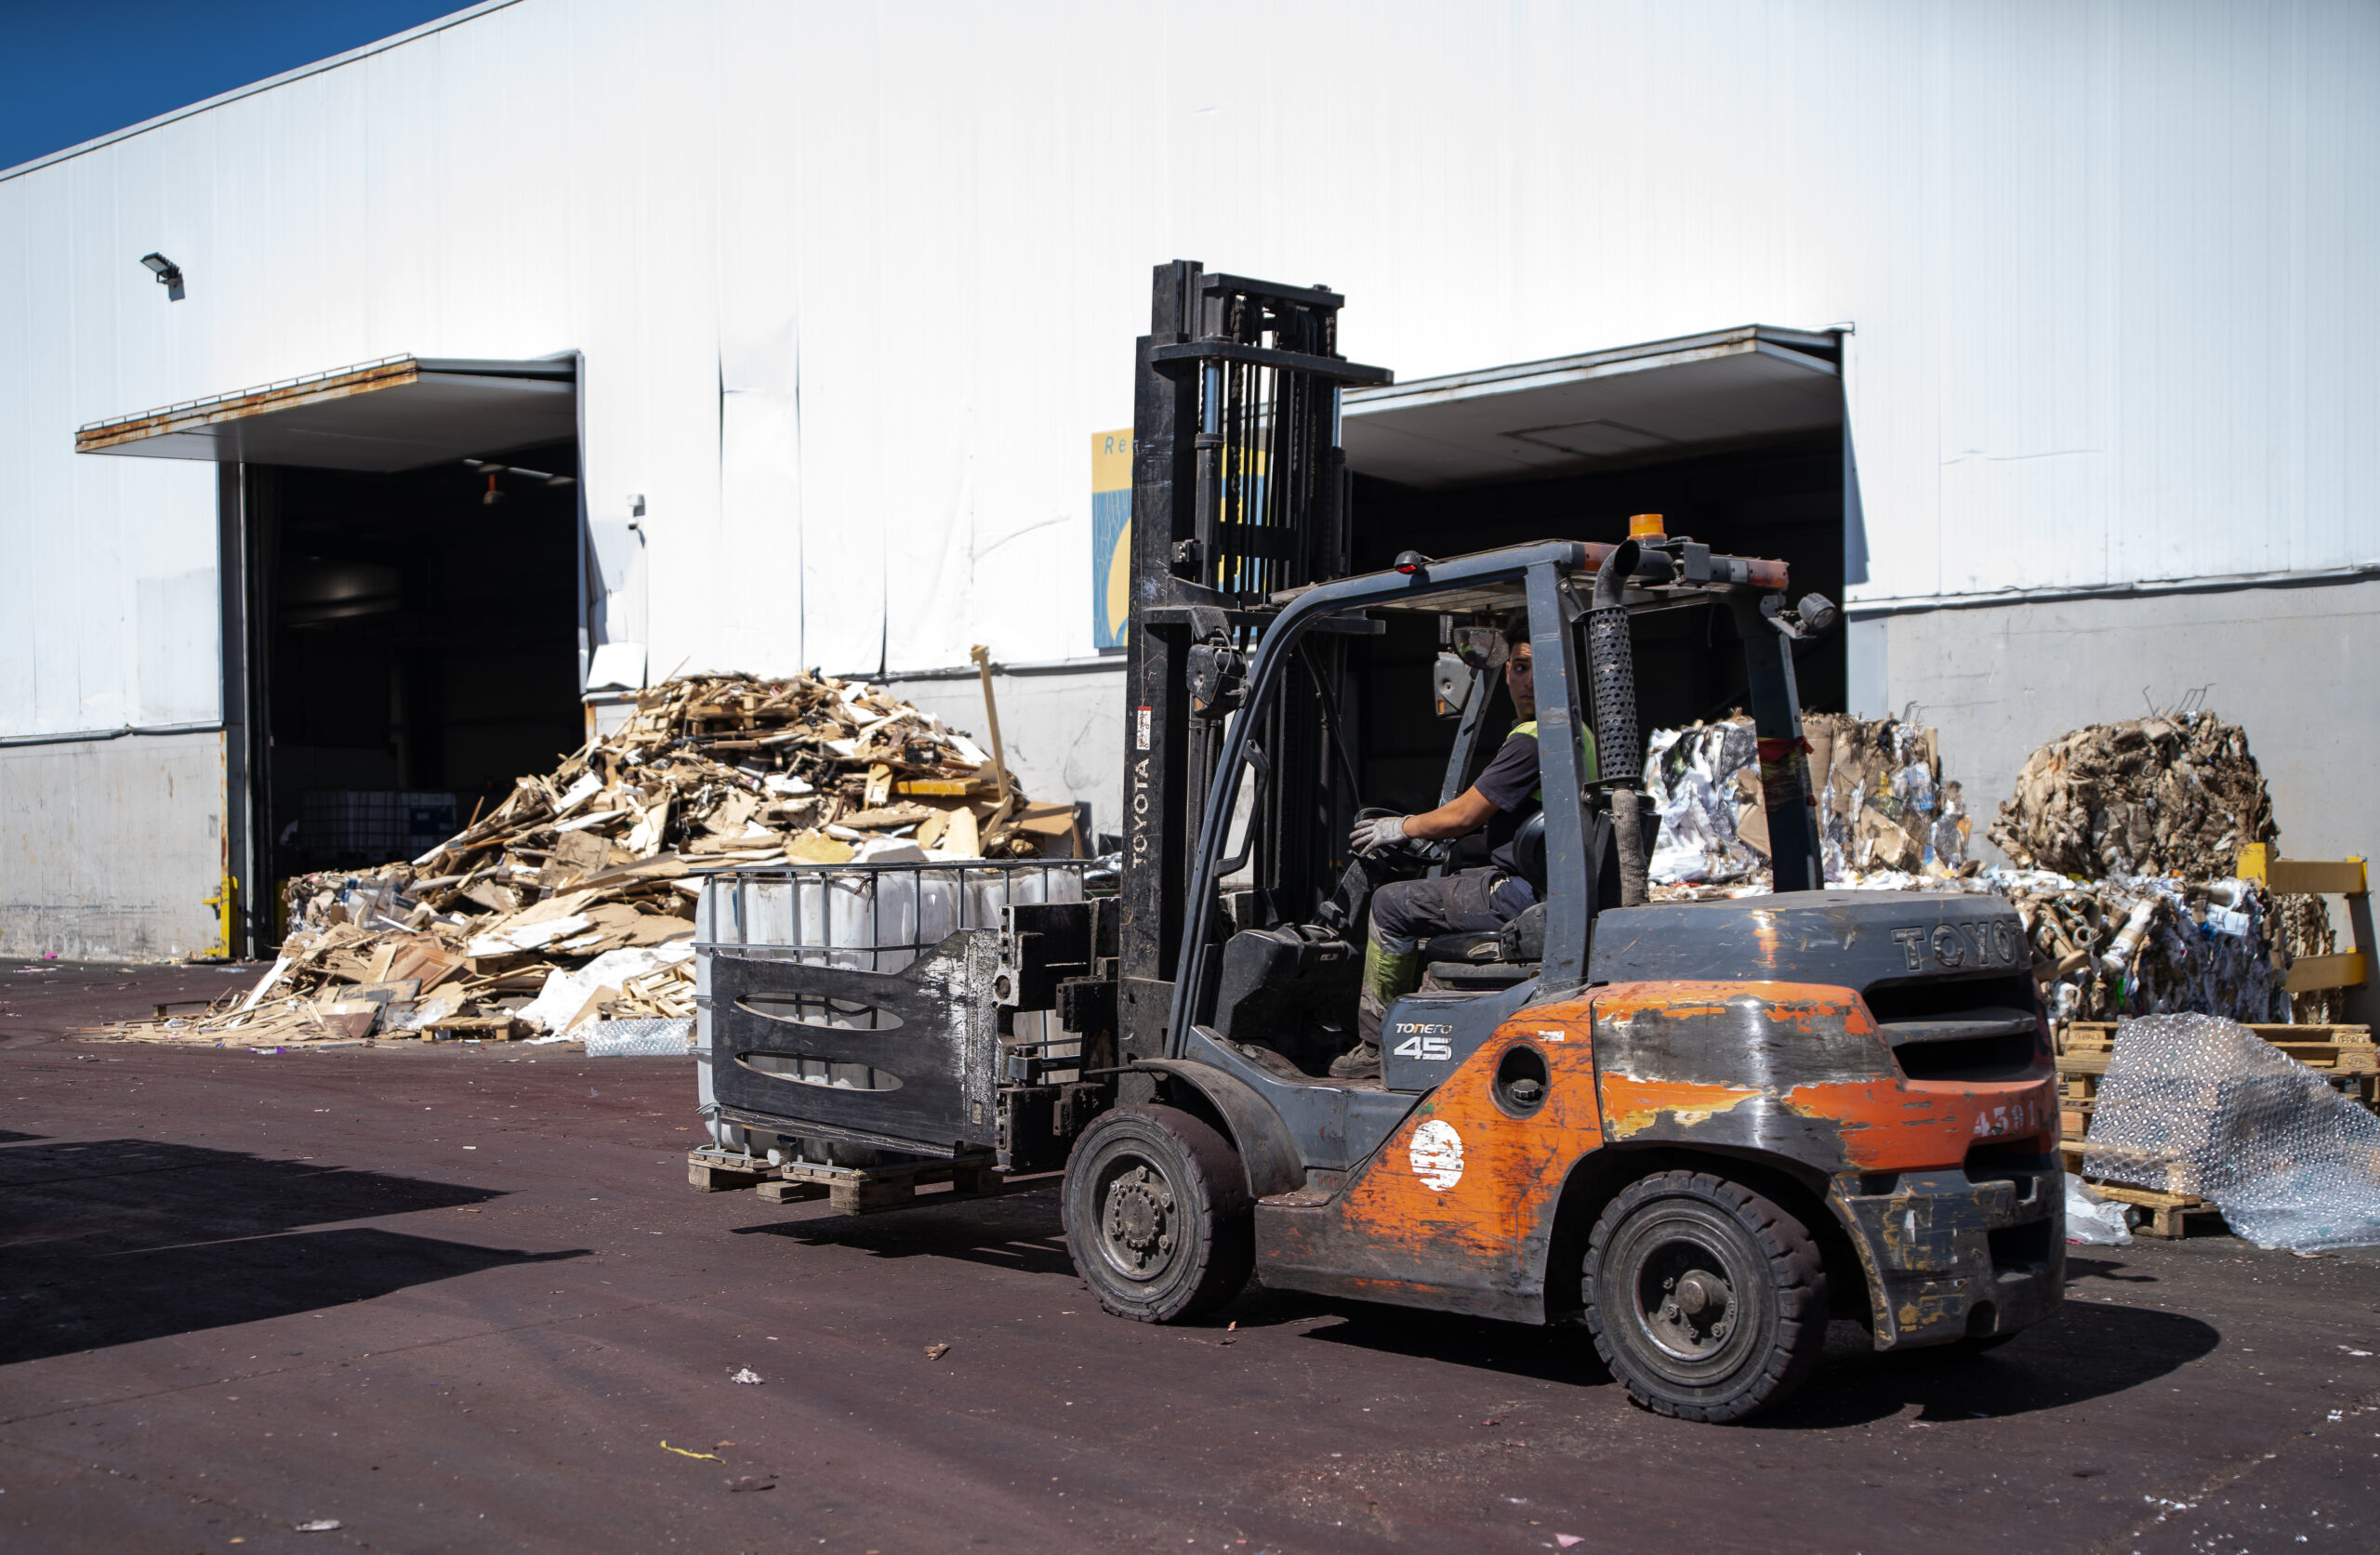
{"x": 1111, "y": 537}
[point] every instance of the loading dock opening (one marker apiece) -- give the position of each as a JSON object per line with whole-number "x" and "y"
{"x": 417, "y": 649}
{"x": 1735, "y": 437}
{"x": 402, "y": 554}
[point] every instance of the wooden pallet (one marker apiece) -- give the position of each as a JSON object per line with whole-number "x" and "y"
{"x": 2347, "y": 1056}
{"x": 472, "y": 1028}
{"x": 860, "y": 1189}
{"x": 715, "y": 1171}
{"x": 2167, "y": 1207}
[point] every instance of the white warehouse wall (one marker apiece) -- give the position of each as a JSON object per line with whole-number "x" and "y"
{"x": 853, "y": 283}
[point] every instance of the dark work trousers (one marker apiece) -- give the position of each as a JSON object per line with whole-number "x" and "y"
{"x": 1408, "y": 912}
{"x": 1404, "y": 913}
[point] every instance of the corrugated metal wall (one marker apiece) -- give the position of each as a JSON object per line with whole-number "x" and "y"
{"x": 853, "y": 283}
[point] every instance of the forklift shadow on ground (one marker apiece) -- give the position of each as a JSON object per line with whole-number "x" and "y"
{"x": 1020, "y": 1233}
{"x": 2085, "y": 1351}
{"x": 2083, "y": 1354}
{"x": 110, "y": 1241}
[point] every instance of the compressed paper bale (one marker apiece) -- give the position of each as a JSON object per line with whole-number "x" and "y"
{"x": 2178, "y": 795}
{"x": 2203, "y": 947}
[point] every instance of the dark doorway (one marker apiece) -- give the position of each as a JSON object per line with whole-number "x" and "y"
{"x": 415, "y": 639}
{"x": 1782, "y": 499}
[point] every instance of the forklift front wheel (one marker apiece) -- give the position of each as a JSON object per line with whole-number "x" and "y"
{"x": 1158, "y": 1214}
{"x": 1705, "y": 1300}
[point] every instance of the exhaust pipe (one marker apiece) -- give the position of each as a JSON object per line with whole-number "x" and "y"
{"x": 1620, "y": 747}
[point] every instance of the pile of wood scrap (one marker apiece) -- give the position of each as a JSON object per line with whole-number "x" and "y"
{"x": 1885, "y": 808}
{"x": 727, "y": 770}
{"x": 2177, "y": 795}
{"x": 589, "y": 873}
{"x": 347, "y": 983}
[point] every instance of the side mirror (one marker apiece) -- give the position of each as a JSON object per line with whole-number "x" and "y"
{"x": 1468, "y": 653}
{"x": 1483, "y": 648}
{"x": 1452, "y": 679}
{"x": 1810, "y": 617}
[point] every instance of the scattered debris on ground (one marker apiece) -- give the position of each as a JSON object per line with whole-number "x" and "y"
{"x": 572, "y": 901}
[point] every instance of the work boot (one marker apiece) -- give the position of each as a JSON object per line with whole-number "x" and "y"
{"x": 1359, "y": 1062}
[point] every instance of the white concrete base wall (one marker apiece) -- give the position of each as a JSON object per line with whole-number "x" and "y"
{"x": 107, "y": 847}
{"x": 1064, "y": 730}
{"x": 2295, "y": 666}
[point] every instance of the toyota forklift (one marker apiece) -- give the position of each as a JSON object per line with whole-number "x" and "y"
{"x": 1699, "y": 1129}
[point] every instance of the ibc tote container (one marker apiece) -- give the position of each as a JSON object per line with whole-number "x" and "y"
{"x": 876, "y": 918}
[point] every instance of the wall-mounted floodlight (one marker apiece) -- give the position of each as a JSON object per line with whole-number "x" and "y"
{"x": 169, "y": 275}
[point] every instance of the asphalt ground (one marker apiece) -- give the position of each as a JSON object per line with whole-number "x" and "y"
{"x": 463, "y": 1299}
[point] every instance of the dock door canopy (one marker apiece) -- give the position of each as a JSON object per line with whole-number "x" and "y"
{"x": 1662, "y": 400}
{"x": 400, "y": 413}
{"x": 1735, "y": 437}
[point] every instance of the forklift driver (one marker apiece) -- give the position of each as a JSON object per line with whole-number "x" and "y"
{"x": 1407, "y": 912}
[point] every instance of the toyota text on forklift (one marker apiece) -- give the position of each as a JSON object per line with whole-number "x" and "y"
{"x": 1698, "y": 1130}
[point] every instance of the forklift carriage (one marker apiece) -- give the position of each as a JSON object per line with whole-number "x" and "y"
{"x": 1699, "y": 1129}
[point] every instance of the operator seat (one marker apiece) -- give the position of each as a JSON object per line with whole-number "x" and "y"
{"x": 1482, "y": 959}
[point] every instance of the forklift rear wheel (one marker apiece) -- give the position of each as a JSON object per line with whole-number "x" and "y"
{"x": 1157, "y": 1215}
{"x": 1707, "y": 1300}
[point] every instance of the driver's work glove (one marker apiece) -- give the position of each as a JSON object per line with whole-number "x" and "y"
{"x": 1386, "y": 831}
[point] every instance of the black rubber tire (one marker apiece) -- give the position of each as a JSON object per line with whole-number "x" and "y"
{"x": 1157, "y": 1215}
{"x": 1716, "y": 1236}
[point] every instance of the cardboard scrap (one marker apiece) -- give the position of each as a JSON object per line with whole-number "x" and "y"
{"x": 603, "y": 856}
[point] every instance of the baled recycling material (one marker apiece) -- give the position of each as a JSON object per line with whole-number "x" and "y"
{"x": 2181, "y": 790}
{"x": 2177, "y": 795}
{"x": 1884, "y": 809}
{"x": 573, "y": 901}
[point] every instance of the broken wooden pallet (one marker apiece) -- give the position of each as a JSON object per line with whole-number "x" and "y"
{"x": 859, "y": 1189}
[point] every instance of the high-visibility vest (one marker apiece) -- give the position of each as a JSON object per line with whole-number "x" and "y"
{"x": 1586, "y": 748}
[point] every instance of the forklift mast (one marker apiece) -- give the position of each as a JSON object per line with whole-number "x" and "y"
{"x": 1240, "y": 497}
{"x": 1239, "y": 491}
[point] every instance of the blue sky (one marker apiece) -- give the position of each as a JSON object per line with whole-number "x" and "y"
{"x": 71, "y": 69}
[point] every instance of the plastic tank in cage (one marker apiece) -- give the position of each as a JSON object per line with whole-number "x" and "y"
{"x": 862, "y": 917}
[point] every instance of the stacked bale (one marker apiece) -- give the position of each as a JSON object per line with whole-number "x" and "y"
{"x": 2177, "y": 795}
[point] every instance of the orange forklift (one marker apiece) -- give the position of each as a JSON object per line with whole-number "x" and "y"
{"x": 1699, "y": 1129}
